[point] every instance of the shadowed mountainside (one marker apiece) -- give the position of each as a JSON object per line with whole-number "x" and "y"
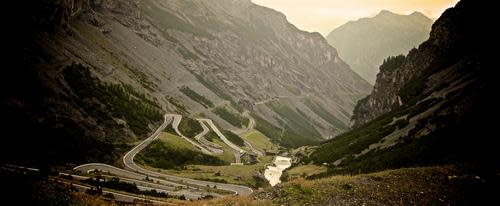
{"x": 97, "y": 74}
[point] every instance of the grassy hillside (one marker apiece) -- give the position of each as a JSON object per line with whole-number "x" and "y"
{"x": 295, "y": 120}
{"x": 410, "y": 186}
{"x": 268, "y": 129}
{"x": 259, "y": 141}
{"x": 234, "y": 174}
{"x": 414, "y": 147}
{"x": 305, "y": 171}
{"x": 211, "y": 135}
{"x": 324, "y": 114}
{"x": 172, "y": 152}
{"x": 234, "y": 138}
{"x": 438, "y": 126}
{"x": 355, "y": 141}
{"x": 288, "y": 136}
{"x": 190, "y": 127}
{"x": 228, "y": 154}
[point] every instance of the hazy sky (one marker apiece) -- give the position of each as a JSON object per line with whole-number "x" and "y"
{"x": 325, "y": 15}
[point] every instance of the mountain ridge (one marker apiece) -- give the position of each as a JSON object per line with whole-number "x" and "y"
{"x": 169, "y": 54}
{"x": 365, "y": 43}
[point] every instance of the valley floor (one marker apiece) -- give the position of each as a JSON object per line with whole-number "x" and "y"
{"x": 441, "y": 185}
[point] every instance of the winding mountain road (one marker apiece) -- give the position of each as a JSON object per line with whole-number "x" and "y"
{"x": 143, "y": 185}
{"x": 175, "y": 125}
{"x": 139, "y": 174}
{"x": 224, "y": 139}
{"x": 237, "y": 151}
{"x": 121, "y": 196}
{"x": 217, "y": 149}
{"x": 251, "y": 125}
{"x": 249, "y": 146}
{"x": 128, "y": 159}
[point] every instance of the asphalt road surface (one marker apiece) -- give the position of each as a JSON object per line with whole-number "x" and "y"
{"x": 138, "y": 173}
{"x": 175, "y": 125}
{"x": 209, "y": 145}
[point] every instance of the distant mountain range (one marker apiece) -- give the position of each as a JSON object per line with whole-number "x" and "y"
{"x": 365, "y": 43}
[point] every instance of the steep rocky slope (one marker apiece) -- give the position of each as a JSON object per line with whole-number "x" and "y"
{"x": 97, "y": 74}
{"x": 365, "y": 43}
{"x": 434, "y": 64}
{"x": 429, "y": 108}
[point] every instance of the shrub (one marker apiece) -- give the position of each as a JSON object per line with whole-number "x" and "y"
{"x": 392, "y": 63}
{"x": 196, "y": 97}
{"x": 190, "y": 127}
{"x": 231, "y": 117}
{"x": 182, "y": 108}
{"x": 234, "y": 138}
{"x": 165, "y": 156}
{"x": 120, "y": 100}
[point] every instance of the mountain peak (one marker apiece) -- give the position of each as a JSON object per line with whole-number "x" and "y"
{"x": 365, "y": 43}
{"x": 388, "y": 13}
{"x": 418, "y": 14}
{"x": 385, "y": 12}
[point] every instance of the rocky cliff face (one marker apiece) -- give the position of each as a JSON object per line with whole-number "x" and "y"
{"x": 430, "y": 107}
{"x": 365, "y": 43}
{"x": 449, "y": 42}
{"x": 80, "y": 55}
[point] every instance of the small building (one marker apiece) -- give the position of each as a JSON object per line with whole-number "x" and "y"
{"x": 249, "y": 158}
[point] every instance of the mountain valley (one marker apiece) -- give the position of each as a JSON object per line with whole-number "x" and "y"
{"x": 184, "y": 102}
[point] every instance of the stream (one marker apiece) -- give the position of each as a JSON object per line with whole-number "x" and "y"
{"x": 273, "y": 173}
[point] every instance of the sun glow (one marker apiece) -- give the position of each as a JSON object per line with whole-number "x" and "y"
{"x": 325, "y": 15}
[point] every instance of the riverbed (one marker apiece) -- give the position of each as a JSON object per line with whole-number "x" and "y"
{"x": 273, "y": 173}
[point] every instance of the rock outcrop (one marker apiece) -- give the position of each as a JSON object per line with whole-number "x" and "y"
{"x": 450, "y": 43}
